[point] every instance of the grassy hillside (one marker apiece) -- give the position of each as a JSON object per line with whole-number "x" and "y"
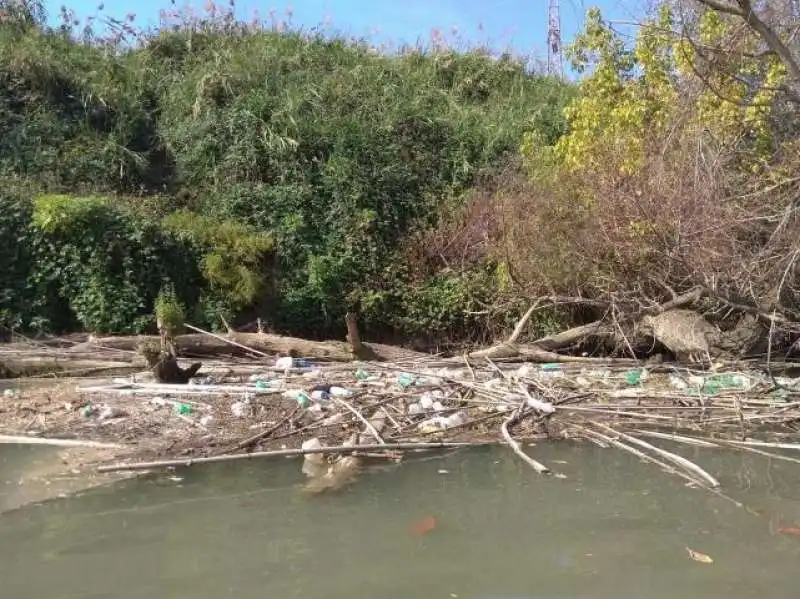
{"x": 262, "y": 173}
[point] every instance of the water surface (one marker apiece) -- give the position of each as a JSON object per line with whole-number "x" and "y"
{"x": 615, "y": 528}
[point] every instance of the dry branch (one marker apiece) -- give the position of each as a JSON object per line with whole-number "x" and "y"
{"x": 515, "y": 446}
{"x": 681, "y": 461}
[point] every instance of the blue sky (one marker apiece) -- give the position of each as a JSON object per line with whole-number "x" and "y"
{"x": 517, "y": 24}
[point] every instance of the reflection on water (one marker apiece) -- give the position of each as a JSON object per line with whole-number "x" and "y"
{"x": 615, "y": 528}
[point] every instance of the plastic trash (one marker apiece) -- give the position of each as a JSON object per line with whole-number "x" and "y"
{"x": 432, "y": 425}
{"x": 551, "y": 371}
{"x": 676, "y": 381}
{"x": 415, "y": 409}
{"x": 287, "y": 362}
{"x": 183, "y": 409}
{"x": 426, "y": 401}
{"x": 284, "y": 363}
{"x": 634, "y": 377}
{"x": 340, "y": 391}
{"x": 542, "y": 406}
{"x": 405, "y": 380}
{"x": 364, "y": 375}
{"x": 239, "y": 408}
{"x": 320, "y": 395}
{"x": 11, "y": 393}
{"x": 109, "y": 412}
{"x": 526, "y": 371}
{"x": 779, "y": 394}
{"x": 437, "y": 406}
{"x": 302, "y": 399}
{"x": 206, "y": 420}
{"x": 270, "y": 385}
{"x": 456, "y": 419}
{"x": 313, "y": 463}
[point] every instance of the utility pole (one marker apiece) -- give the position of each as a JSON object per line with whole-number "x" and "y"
{"x": 555, "y": 60}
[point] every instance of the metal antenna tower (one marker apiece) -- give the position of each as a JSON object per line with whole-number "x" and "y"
{"x": 555, "y": 60}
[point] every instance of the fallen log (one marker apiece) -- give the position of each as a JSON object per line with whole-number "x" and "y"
{"x": 35, "y": 366}
{"x": 200, "y": 345}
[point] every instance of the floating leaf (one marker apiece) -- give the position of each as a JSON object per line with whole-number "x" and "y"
{"x": 789, "y": 530}
{"x": 700, "y": 557}
{"x": 424, "y": 526}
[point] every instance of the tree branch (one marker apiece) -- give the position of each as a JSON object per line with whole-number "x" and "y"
{"x": 770, "y": 37}
{"x": 744, "y": 10}
{"x": 723, "y": 7}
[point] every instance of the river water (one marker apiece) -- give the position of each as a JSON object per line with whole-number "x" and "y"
{"x": 614, "y": 528}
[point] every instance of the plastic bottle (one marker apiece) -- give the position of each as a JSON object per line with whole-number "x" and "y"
{"x": 405, "y": 380}
{"x": 320, "y": 395}
{"x": 302, "y": 398}
{"x": 183, "y": 409}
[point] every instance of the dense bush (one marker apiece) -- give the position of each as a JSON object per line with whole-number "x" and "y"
{"x": 321, "y": 156}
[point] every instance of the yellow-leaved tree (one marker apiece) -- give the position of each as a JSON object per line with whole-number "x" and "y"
{"x": 709, "y": 71}
{"x": 669, "y": 142}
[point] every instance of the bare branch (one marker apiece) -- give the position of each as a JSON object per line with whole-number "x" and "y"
{"x": 723, "y": 7}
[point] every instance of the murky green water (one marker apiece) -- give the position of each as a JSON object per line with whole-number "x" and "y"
{"x": 616, "y": 528}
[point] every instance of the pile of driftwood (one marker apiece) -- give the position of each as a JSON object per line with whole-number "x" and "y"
{"x": 373, "y": 409}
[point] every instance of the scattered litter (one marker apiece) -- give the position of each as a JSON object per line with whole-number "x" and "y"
{"x": 239, "y": 408}
{"x": 699, "y": 557}
{"x": 110, "y": 412}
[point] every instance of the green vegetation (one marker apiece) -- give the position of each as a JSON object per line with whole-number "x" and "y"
{"x": 261, "y": 173}
{"x": 256, "y": 172}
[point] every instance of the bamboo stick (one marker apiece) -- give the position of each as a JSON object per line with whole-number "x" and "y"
{"x": 681, "y": 461}
{"x": 56, "y": 442}
{"x": 281, "y": 453}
